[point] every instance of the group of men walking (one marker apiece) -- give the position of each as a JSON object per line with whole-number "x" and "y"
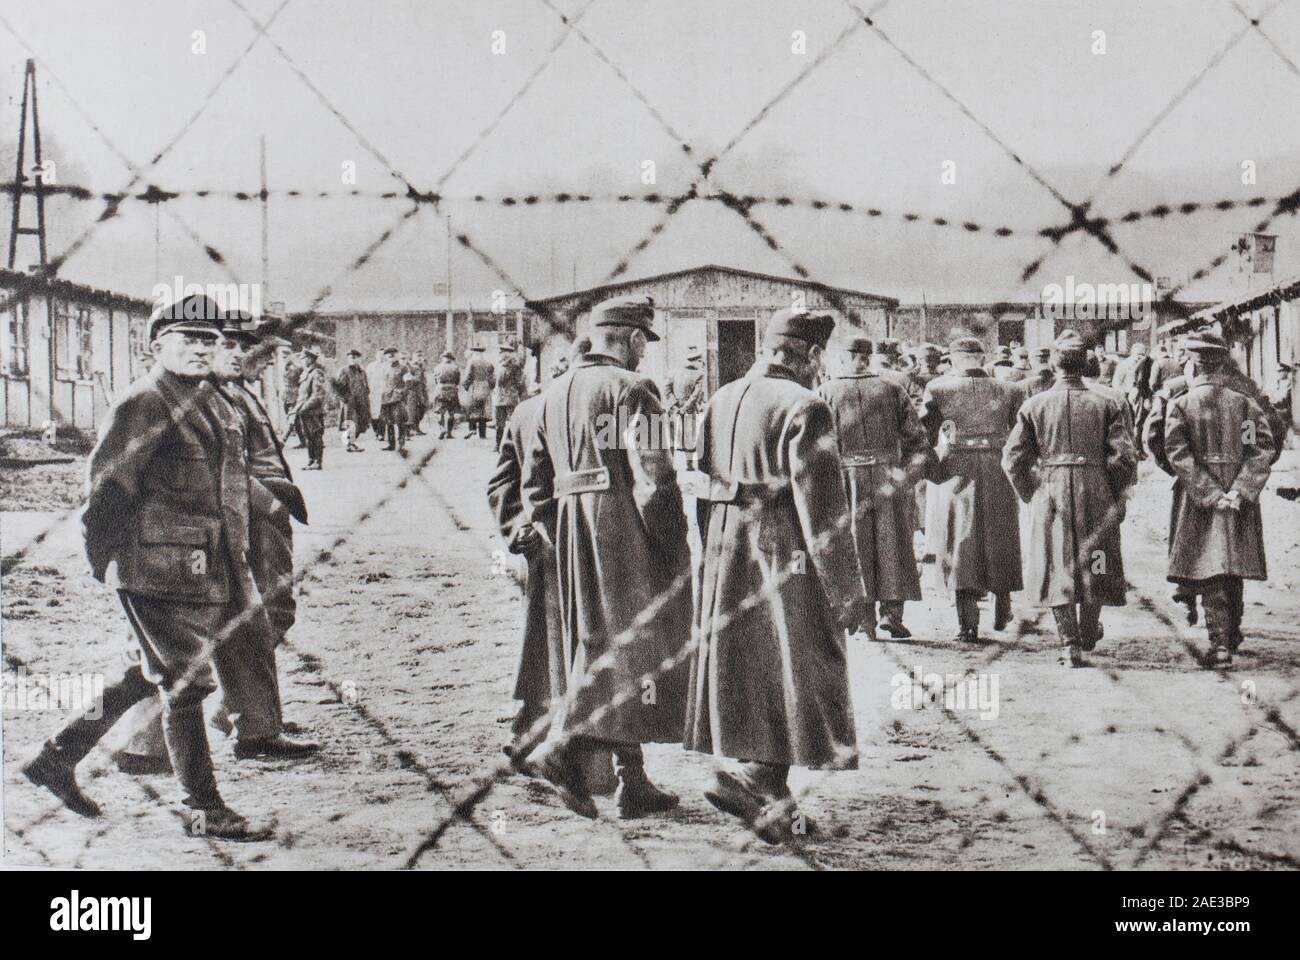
{"x": 803, "y": 490}
{"x": 490, "y": 391}
{"x": 188, "y": 515}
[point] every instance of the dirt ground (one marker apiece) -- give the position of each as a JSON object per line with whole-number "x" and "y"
{"x": 401, "y": 664}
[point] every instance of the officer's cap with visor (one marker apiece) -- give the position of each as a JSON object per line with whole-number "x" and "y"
{"x": 966, "y": 345}
{"x": 195, "y": 314}
{"x": 636, "y": 311}
{"x": 1205, "y": 344}
{"x": 1069, "y": 342}
{"x": 859, "y": 344}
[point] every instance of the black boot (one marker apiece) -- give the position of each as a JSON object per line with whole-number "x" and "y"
{"x": 637, "y": 796}
{"x": 57, "y": 773}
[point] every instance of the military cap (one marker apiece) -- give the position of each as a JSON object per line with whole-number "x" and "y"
{"x": 1022, "y": 353}
{"x": 312, "y": 351}
{"x": 1069, "y": 342}
{"x": 448, "y": 355}
{"x": 476, "y": 346}
{"x": 1003, "y": 352}
{"x": 695, "y": 353}
{"x": 927, "y": 350}
{"x": 354, "y": 353}
{"x": 1043, "y": 353}
{"x": 389, "y": 350}
{"x": 965, "y": 345}
{"x": 814, "y": 328}
{"x": 889, "y": 347}
{"x": 193, "y": 314}
{"x": 237, "y": 325}
{"x": 858, "y": 344}
{"x": 1205, "y": 343}
{"x": 636, "y": 311}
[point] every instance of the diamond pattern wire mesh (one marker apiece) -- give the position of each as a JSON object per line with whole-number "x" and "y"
{"x": 467, "y": 797}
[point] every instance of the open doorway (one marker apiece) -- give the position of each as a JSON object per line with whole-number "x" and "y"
{"x": 735, "y": 349}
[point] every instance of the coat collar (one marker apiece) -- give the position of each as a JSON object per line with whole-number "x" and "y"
{"x": 598, "y": 360}
{"x": 1069, "y": 383}
{"x": 972, "y": 372}
{"x": 778, "y": 371}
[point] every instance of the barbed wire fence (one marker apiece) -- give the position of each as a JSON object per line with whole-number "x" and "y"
{"x": 465, "y": 798}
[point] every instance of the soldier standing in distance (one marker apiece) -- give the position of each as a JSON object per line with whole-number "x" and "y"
{"x": 353, "y": 390}
{"x": 417, "y": 393}
{"x": 511, "y": 387}
{"x": 1220, "y": 447}
{"x": 309, "y": 411}
{"x": 769, "y": 679}
{"x": 166, "y": 523}
{"x": 974, "y": 512}
{"x": 883, "y": 450}
{"x": 1041, "y": 376}
{"x": 1071, "y": 457}
{"x": 602, "y": 487}
{"x": 446, "y": 398}
{"x": 375, "y": 380}
{"x": 393, "y": 400}
{"x": 479, "y": 379}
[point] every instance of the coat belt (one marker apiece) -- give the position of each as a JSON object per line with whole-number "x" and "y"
{"x": 1231, "y": 460}
{"x": 882, "y": 459}
{"x": 987, "y": 441}
{"x": 581, "y": 481}
{"x": 1069, "y": 460}
{"x": 702, "y": 486}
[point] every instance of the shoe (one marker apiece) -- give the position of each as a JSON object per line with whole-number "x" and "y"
{"x": 1001, "y": 617}
{"x": 142, "y": 764}
{"x": 389, "y": 447}
{"x": 277, "y": 747}
{"x": 353, "y": 448}
{"x": 730, "y": 795}
{"x": 895, "y": 629}
{"x": 781, "y": 820}
{"x": 968, "y": 636}
{"x": 222, "y": 823}
{"x": 1072, "y": 654}
{"x": 1219, "y": 657}
{"x": 1089, "y": 641}
{"x": 49, "y": 770}
{"x": 638, "y": 797}
{"x": 567, "y": 780}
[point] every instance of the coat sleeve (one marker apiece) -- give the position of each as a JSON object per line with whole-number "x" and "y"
{"x": 1257, "y": 459}
{"x": 537, "y": 504}
{"x": 1202, "y": 486}
{"x": 654, "y": 478}
{"x": 917, "y": 452}
{"x": 505, "y": 487}
{"x": 1121, "y": 453}
{"x": 822, "y": 507}
{"x": 132, "y": 433}
{"x": 1020, "y": 457}
{"x": 930, "y": 416}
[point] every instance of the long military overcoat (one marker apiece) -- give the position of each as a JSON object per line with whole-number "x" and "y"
{"x": 540, "y": 672}
{"x": 599, "y": 478}
{"x": 1216, "y": 439}
{"x": 883, "y": 451}
{"x": 1071, "y": 457}
{"x": 780, "y": 582}
{"x": 972, "y": 516}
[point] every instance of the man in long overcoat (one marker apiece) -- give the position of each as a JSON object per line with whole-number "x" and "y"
{"x": 1220, "y": 445}
{"x": 353, "y": 390}
{"x": 417, "y": 393}
{"x": 780, "y": 584}
{"x": 883, "y": 450}
{"x": 1071, "y": 457}
{"x": 1154, "y": 438}
{"x": 600, "y": 483}
{"x": 479, "y": 380}
{"x": 973, "y": 516}
{"x": 511, "y": 388}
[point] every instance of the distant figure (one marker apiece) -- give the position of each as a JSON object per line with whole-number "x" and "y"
{"x": 478, "y": 381}
{"x": 511, "y": 387}
{"x": 394, "y": 400}
{"x": 684, "y": 399}
{"x": 375, "y": 378}
{"x": 446, "y": 397}
{"x": 309, "y": 411}
{"x": 353, "y": 391}
{"x": 417, "y": 393}
{"x": 292, "y": 376}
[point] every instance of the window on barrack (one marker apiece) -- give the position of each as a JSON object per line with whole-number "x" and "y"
{"x": 72, "y": 332}
{"x": 13, "y": 347}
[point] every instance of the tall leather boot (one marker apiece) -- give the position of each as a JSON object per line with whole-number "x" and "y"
{"x": 1001, "y": 610}
{"x": 1090, "y": 628}
{"x": 187, "y": 744}
{"x": 968, "y": 616}
{"x": 55, "y": 766}
{"x": 891, "y": 619}
{"x": 636, "y": 795}
{"x": 1217, "y": 600}
{"x": 1067, "y": 628}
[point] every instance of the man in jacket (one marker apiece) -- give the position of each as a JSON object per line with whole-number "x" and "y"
{"x": 511, "y": 387}
{"x": 1219, "y": 444}
{"x": 479, "y": 379}
{"x": 973, "y": 516}
{"x": 417, "y": 393}
{"x": 604, "y": 492}
{"x": 1071, "y": 457}
{"x": 393, "y": 400}
{"x": 353, "y": 389}
{"x": 446, "y": 398}
{"x": 883, "y": 451}
{"x": 309, "y": 411}
{"x": 166, "y": 523}
{"x": 769, "y": 679}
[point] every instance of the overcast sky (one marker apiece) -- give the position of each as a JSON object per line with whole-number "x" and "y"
{"x": 420, "y": 83}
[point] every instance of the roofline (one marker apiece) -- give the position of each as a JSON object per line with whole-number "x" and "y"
{"x": 1247, "y": 302}
{"x": 56, "y": 286}
{"x": 604, "y": 288}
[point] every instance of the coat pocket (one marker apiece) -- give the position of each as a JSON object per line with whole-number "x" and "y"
{"x": 179, "y": 561}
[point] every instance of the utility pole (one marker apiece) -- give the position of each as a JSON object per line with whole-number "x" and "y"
{"x": 451, "y": 323}
{"x": 265, "y": 195}
{"x": 20, "y": 178}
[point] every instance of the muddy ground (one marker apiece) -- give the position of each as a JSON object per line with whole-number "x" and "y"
{"x": 401, "y": 664}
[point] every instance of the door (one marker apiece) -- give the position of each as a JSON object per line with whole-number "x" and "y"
{"x": 736, "y": 351}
